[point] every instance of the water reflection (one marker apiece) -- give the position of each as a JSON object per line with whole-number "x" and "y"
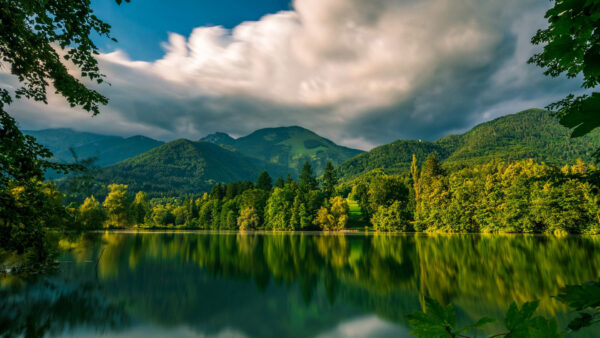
{"x": 292, "y": 285}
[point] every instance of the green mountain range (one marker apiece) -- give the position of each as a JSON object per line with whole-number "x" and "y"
{"x": 184, "y": 167}
{"x": 531, "y": 133}
{"x": 288, "y": 147}
{"x": 107, "y": 149}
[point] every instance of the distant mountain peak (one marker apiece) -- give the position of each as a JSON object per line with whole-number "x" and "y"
{"x": 218, "y": 138}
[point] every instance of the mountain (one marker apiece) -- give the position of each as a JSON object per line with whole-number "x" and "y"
{"x": 219, "y": 138}
{"x": 288, "y": 147}
{"x": 532, "y": 133}
{"x": 394, "y": 157}
{"x": 107, "y": 149}
{"x": 184, "y": 167}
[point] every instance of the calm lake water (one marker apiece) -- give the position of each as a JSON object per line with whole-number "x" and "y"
{"x": 286, "y": 285}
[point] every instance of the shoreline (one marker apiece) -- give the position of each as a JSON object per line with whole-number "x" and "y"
{"x": 317, "y": 232}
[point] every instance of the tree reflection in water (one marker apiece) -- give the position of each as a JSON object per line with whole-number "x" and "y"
{"x": 296, "y": 285}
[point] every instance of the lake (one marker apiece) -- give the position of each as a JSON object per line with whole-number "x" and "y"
{"x": 190, "y": 284}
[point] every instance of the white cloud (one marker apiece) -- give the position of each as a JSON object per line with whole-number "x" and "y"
{"x": 359, "y": 72}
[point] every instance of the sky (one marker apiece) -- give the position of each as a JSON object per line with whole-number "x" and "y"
{"x": 361, "y": 73}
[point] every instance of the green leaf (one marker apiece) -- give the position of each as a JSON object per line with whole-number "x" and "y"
{"x": 582, "y": 296}
{"x": 516, "y": 318}
{"x": 481, "y": 322}
{"x": 436, "y": 321}
{"x": 584, "y": 320}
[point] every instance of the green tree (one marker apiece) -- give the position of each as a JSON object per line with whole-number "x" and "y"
{"x": 335, "y": 217}
{"x": 572, "y": 47}
{"x": 91, "y": 214}
{"x": 140, "y": 208}
{"x": 414, "y": 174}
{"x": 162, "y": 216}
{"x": 279, "y": 183}
{"x": 308, "y": 181}
{"x": 329, "y": 180}
{"x": 248, "y": 219}
{"x": 118, "y": 204}
{"x": 264, "y": 181}
{"x": 278, "y": 209}
{"x": 395, "y": 217}
{"x": 37, "y": 39}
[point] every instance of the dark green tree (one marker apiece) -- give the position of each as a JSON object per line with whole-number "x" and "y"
{"x": 329, "y": 180}
{"x": 37, "y": 39}
{"x": 264, "y": 181}
{"x": 308, "y": 181}
{"x": 572, "y": 47}
{"x": 279, "y": 183}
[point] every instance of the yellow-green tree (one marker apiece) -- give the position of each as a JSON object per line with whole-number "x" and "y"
{"x": 91, "y": 214}
{"x": 118, "y": 205}
{"x": 140, "y": 208}
{"x": 335, "y": 217}
{"x": 248, "y": 219}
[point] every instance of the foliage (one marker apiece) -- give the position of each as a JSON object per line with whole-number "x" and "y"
{"x": 264, "y": 181}
{"x": 438, "y": 321}
{"x": 522, "y": 196}
{"x": 532, "y": 134}
{"x": 91, "y": 215}
{"x": 44, "y": 44}
{"x": 329, "y": 180}
{"x": 395, "y": 217}
{"x": 585, "y": 299}
{"x": 571, "y": 47}
{"x": 335, "y": 217}
{"x": 117, "y": 205}
{"x": 248, "y": 219}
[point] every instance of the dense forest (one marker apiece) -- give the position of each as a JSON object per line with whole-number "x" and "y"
{"x": 532, "y": 133}
{"x": 499, "y": 196}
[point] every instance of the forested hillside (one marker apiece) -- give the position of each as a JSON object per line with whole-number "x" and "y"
{"x": 107, "y": 149}
{"x": 288, "y": 147}
{"x": 394, "y": 157}
{"x": 184, "y": 167}
{"x": 531, "y": 134}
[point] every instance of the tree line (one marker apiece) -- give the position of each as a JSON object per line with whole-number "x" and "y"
{"x": 514, "y": 197}
{"x": 303, "y": 204}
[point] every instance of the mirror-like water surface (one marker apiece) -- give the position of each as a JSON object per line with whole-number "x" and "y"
{"x": 286, "y": 285}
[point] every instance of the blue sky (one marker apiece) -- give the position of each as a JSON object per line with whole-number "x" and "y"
{"x": 142, "y": 25}
{"x": 359, "y": 72}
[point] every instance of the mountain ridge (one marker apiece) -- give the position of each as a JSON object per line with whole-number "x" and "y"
{"x": 532, "y": 133}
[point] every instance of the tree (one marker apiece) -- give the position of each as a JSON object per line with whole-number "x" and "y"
{"x": 248, "y": 219}
{"x": 91, "y": 214}
{"x": 278, "y": 209}
{"x": 572, "y": 47}
{"x": 335, "y": 217}
{"x": 279, "y": 183}
{"x": 264, "y": 181}
{"x": 392, "y": 218}
{"x": 308, "y": 181}
{"x": 329, "y": 180}
{"x": 117, "y": 204}
{"x": 33, "y": 33}
{"x": 140, "y": 207}
{"x": 414, "y": 174}
{"x": 162, "y": 216}
{"x": 37, "y": 39}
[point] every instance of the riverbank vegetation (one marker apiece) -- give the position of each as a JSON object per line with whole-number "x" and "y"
{"x": 509, "y": 197}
